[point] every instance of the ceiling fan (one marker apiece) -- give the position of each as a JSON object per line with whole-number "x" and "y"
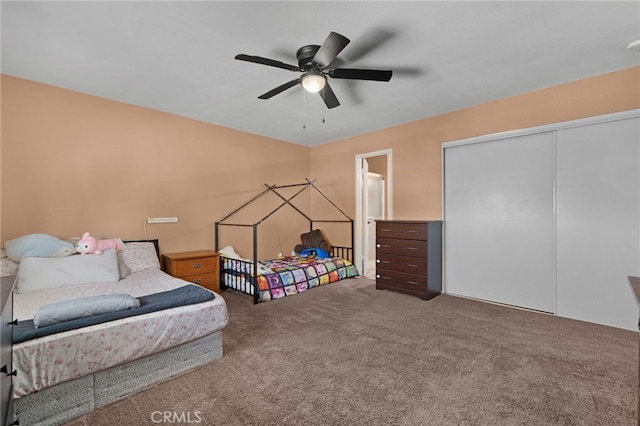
{"x": 313, "y": 63}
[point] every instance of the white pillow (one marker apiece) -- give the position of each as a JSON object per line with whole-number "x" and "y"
{"x": 44, "y": 273}
{"x": 138, "y": 256}
{"x": 230, "y": 252}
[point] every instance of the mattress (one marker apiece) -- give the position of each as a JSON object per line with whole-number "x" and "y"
{"x": 54, "y": 359}
{"x": 285, "y": 276}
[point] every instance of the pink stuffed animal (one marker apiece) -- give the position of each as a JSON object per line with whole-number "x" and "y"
{"x": 89, "y": 245}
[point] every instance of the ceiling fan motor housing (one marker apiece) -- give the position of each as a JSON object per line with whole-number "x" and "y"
{"x": 305, "y": 57}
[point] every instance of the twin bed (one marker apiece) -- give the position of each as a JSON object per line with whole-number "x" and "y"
{"x": 283, "y": 276}
{"x": 276, "y": 278}
{"x": 72, "y": 372}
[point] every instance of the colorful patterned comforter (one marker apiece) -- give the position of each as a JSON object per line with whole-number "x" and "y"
{"x": 294, "y": 274}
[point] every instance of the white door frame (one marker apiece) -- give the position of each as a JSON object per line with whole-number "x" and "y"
{"x": 359, "y": 252}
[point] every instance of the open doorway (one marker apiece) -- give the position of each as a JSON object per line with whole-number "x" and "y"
{"x": 373, "y": 202}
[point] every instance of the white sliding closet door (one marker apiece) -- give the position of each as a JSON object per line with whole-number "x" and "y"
{"x": 598, "y": 222}
{"x": 499, "y": 222}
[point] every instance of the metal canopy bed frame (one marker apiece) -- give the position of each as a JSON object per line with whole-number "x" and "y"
{"x": 250, "y": 286}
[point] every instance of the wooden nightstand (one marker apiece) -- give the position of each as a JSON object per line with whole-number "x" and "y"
{"x": 199, "y": 267}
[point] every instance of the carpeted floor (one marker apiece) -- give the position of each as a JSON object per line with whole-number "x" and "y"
{"x": 348, "y": 354}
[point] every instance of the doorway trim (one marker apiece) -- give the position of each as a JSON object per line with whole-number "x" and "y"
{"x": 359, "y": 252}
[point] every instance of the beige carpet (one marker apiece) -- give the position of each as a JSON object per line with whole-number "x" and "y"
{"x": 348, "y": 354}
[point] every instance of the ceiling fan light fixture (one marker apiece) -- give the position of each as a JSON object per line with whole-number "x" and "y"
{"x": 313, "y": 81}
{"x": 634, "y": 45}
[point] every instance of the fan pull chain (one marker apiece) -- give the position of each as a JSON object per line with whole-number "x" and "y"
{"x": 324, "y": 107}
{"x": 304, "y": 108}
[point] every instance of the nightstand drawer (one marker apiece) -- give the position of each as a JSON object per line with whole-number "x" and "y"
{"x": 209, "y": 281}
{"x": 202, "y": 265}
{"x": 199, "y": 267}
{"x": 408, "y": 230}
{"x": 415, "y": 248}
{"x": 410, "y": 265}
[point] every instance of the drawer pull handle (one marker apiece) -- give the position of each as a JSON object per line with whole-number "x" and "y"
{"x": 411, "y": 230}
{"x": 384, "y": 245}
{"x": 385, "y": 229}
{"x": 411, "y": 265}
{"x": 412, "y": 248}
{"x": 14, "y": 322}
{"x": 412, "y": 282}
{"x": 384, "y": 278}
{"x": 386, "y": 261}
{"x": 196, "y": 265}
{"x": 5, "y": 370}
{"x": 197, "y": 281}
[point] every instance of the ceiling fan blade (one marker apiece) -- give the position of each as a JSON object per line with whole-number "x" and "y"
{"x": 330, "y": 49}
{"x": 361, "y": 74}
{"x": 279, "y": 89}
{"x": 329, "y": 97}
{"x": 267, "y": 61}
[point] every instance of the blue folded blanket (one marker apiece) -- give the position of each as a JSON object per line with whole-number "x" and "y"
{"x": 55, "y": 313}
{"x": 186, "y": 295}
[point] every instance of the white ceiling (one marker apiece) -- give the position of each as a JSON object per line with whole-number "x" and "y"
{"x": 178, "y": 56}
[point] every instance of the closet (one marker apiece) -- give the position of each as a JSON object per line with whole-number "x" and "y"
{"x": 547, "y": 218}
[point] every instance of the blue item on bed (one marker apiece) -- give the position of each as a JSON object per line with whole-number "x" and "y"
{"x": 318, "y": 252}
{"x": 186, "y": 295}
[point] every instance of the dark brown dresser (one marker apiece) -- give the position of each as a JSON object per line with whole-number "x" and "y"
{"x": 409, "y": 257}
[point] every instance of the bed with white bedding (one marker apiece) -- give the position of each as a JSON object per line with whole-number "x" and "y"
{"x": 66, "y": 374}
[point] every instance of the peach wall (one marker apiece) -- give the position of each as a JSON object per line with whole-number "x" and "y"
{"x": 73, "y": 163}
{"x": 417, "y": 145}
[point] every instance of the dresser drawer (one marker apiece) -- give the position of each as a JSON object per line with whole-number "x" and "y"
{"x": 400, "y": 280}
{"x": 411, "y": 265}
{"x": 197, "y": 266}
{"x": 209, "y": 281}
{"x": 408, "y": 230}
{"x": 397, "y": 246}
